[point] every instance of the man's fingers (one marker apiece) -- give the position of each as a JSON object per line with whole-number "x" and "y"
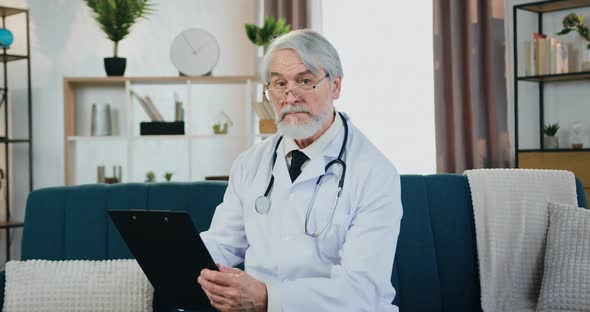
{"x": 221, "y": 278}
{"x": 218, "y": 290}
{"x": 231, "y": 270}
{"x": 213, "y": 298}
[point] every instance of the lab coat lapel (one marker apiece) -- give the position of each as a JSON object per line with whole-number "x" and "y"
{"x": 281, "y": 170}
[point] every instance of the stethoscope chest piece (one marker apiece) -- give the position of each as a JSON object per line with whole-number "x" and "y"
{"x": 262, "y": 205}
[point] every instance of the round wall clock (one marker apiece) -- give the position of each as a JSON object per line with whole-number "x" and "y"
{"x": 194, "y": 52}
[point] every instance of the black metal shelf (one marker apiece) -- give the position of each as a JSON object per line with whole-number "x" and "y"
{"x": 5, "y": 58}
{"x": 7, "y": 224}
{"x": 558, "y": 150}
{"x": 11, "y": 224}
{"x": 6, "y": 11}
{"x": 585, "y": 75}
{"x": 3, "y": 140}
{"x": 553, "y": 5}
{"x": 540, "y": 8}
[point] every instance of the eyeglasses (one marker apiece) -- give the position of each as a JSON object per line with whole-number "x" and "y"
{"x": 279, "y": 92}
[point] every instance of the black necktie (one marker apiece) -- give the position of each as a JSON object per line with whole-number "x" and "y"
{"x": 298, "y": 158}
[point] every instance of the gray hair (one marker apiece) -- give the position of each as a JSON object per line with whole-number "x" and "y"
{"x": 315, "y": 51}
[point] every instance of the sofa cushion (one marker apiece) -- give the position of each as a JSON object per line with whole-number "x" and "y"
{"x": 566, "y": 279}
{"x": 41, "y": 285}
{"x": 435, "y": 267}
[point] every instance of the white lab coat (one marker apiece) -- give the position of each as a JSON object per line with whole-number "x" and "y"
{"x": 348, "y": 267}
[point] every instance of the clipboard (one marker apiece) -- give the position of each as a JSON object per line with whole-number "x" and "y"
{"x": 170, "y": 252}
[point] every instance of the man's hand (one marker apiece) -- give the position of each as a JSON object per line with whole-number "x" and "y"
{"x": 231, "y": 289}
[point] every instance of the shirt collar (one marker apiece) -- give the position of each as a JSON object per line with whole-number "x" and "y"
{"x": 316, "y": 148}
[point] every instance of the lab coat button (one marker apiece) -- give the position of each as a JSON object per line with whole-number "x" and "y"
{"x": 292, "y": 196}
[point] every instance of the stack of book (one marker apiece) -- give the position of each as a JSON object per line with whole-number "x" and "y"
{"x": 546, "y": 55}
{"x": 148, "y": 106}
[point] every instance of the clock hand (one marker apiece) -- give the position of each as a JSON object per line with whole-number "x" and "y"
{"x": 202, "y": 46}
{"x": 189, "y": 44}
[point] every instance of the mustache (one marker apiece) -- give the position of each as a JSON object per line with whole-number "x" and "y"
{"x": 289, "y": 109}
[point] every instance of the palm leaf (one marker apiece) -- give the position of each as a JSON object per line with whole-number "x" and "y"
{"x": 115, "y": 17}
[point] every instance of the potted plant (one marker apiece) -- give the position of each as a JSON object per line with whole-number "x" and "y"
{"x": 168, "y": 176}
{"x": 262, "y": 36}
{"x": 551, "y": 141}
{"x": 150, "y": 176}
{"x": 115, "y": 18}
{"x": 575, "y": 22}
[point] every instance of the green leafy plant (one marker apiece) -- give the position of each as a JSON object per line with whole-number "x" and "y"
{"x": 168, "y": 176}
{"x": 262, "y": 36}
{"x": 551, "y": 129}
{"x": 574, "y": 22}
{"x": 115, "y": 17}
{"x": 150, "y": 176}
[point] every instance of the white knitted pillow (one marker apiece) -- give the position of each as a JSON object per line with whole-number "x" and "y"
{"x": 566, "y": 280}
{"x": 110, "y": 285}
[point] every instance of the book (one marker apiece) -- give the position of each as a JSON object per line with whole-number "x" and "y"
{"x": 527, "y": 58}
{"x": 153, "y": 109}
{"x": 143, "y": 105}
{"x": 178, "y": 109}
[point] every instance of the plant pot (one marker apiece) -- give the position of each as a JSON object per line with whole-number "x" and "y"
{"x": 551, "y": 142}
{"x": 115, "y": 66}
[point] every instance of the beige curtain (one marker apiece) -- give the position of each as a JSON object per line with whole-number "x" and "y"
{"x": 294, "y": 11}
{"x": 470, "y": 86}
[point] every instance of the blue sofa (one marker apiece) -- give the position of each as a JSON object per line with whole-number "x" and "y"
{"x": 435, "y": 268}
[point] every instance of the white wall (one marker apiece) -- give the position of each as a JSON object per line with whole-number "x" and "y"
{"x": 388, "y": 87}
{"x": 565, "y": 103}
{"x": 66, "y": 41}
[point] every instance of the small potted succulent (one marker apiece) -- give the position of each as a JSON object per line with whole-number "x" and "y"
{"x": 551, "y": 141}
{"x": 150, "y": 176}
{"x": 115, "y": 18}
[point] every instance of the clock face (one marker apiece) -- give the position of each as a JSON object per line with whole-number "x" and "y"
{"x": 194, "y": 52}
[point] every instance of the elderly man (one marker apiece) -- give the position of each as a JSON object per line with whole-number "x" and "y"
{"x": 314, "y": 211}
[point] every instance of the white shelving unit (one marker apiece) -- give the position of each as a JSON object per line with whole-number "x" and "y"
{"x": 191, "y": 157}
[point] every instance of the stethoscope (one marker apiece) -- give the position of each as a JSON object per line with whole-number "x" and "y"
{"x": 262, "y": 203}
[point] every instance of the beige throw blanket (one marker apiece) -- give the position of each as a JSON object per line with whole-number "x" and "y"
{"x": 511, "y": 221}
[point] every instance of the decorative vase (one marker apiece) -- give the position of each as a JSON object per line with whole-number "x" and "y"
{"x": 586, "y": 60}
{"x": 6, "y": 38}
{"x": 115, "y": 66}
{"x": 100, "y": 120}
{"x": 551, "y": 142}
{"x": 577, "y": 51}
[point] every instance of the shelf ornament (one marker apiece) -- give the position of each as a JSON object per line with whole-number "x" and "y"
{"x": 574, "y": 22}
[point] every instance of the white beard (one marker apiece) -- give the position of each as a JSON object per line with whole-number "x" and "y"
{"x": 297, "y": 131}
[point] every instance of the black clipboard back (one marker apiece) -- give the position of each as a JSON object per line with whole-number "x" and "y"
{"x": 170, "y": 252}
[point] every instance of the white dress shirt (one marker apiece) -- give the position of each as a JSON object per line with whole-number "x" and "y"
{"x": 316, "y": 148}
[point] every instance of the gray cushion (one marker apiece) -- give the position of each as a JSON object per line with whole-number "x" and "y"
{"x": 566, "y": 280}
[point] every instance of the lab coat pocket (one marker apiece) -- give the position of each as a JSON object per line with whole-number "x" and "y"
{"x": 330, "y": 242}
{"x": 255, "y": 223}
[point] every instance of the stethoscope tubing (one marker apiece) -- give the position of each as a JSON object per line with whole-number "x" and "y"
{"x": 264, "y": 200}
